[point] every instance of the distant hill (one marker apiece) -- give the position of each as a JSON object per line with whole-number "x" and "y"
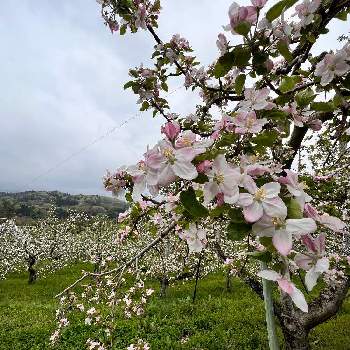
{"x": 36, "y": 204}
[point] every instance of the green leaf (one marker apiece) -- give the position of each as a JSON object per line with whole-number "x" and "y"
{"x": 224, "y": 64}
{"x": 122, "y": 30}
{"x": 294, "y": 210}
{"x": 266, "y": 138}
{"x": 164, "y": 86}
{"x": 242, "y": 56}
{"x": 288, "y": 83}
{"x": 322, "y": 106}
{"x": 265, "y": 256}
{"x": 276, "y": 10}
{"x": 201, "y": 179}
{"x": 237, "y": 231}
{"x": 242, "y": 28}
{"x": 128, "y": 84}
{"x": 144, "y": 106}
{"x": 274, "y": 114}
{"x": 283, "y": 49}
{"x": 236, "y": 215}
{"x": 239, "y": 83}
{"x": 304, "y": 97}
{"x": 189, "y": 201}
{"x": 343, "y": 15}
{"x": 267, "y": 243}
{"x": 214, "y": 213}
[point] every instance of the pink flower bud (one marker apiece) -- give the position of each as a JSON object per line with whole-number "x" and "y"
{"x": 240, "y": 14}
{"x": 311, "y": 212}
{"x": 220, "y": 199}
{"x": 258, "y": 3}
{"x": 171, "y": 130}
{"x": 315, "y": 125}
{"x": 204, "y": 166}
{"x": 269, "y": 65}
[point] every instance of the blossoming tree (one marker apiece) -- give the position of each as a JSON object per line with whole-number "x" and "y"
{"x": 246, "y": 166}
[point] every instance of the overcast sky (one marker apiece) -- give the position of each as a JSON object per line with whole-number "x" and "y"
{"x": 61, "y": 82}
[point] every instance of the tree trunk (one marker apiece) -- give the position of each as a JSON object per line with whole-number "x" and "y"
{"x": 296, "y": 324}
{"x": 31, "y": 270}
{"x": 228, "y": 281}
{"x": 295, "y": 336}
{"x": 164, "y": 283}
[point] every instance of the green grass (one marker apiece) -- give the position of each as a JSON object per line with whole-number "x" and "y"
{"x": 218, "y": 320}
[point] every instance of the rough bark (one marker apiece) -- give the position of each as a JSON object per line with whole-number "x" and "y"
{"x": 296, "y": 325}
{"x": 164, "y": 283}
{"x": 31, "y": 270}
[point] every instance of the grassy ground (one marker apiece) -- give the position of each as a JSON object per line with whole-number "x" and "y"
{"x": 218, "y": 320}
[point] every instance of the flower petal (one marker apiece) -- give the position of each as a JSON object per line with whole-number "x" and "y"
{"x": 282, "y": 240}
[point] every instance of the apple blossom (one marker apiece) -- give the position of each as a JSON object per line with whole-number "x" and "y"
{"x": 246, "y": 122}
{"x": 328, "y": 221}
{"x": 282, "y": 230}
{"x": 255, "y": 100}
{"x": 262, "y": 200}
{"x": 314, "y": 262}
{"x": 287, "y": 287}
{"x": 331, "y": 66}
{"x": 295, "y": 187}
{"x": 171, "y": 130}
{"x": 306, "y": 10}
{"x": 239, "y": 14}
{"x": 259, "y": 3}
{"x": 222, "y": 179}
{"x": 196, "y": 238}
{"x": 222, "y": 43}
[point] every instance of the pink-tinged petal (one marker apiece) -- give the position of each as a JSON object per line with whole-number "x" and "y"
{"x": 264, "y": 227}
{"x": 309, "y": 243}
{"x": 219, "y": 162}
{"x": 320, "y": 243}
{"x": 171, "y": 130}
{"x": 186, "y": 154}
{"x": 204, "y": 166}
{"x": 185, "y": 170}
{"x": 285, "y": 285}
{"x": 299, "y": 300}
{"x": 272, "y": 189}
{"x": 249, "y": 184}
{"x": 311, "y": 278}
{"x": 294, "y": 191}
{"x": 210, "y": 190}
{"x": 245, "y": 199}
{"x": 322, "y": 265}
{"x": 283, "y": 242}
{"x": 257, "y": 170}
{"x": 253, "y": 212}
{"x": 241, "y": 130}
{"x": 332, "y": 223}
{"x": 311, "y": 212}
{"x": 275, "y": 207}
{"x": 303, "y": 261}
{"x": 301, "y": 226}
{"x": 139, "y": 187}
{"x": 269, "y": 275}
{"x": 232, "y": 197}
{"x": 166, "y": 176}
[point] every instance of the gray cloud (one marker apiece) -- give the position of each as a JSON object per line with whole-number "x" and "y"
{"x": 61, "y": 82}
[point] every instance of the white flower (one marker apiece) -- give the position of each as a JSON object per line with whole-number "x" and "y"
{"x": 196, "y": 238}
{"x": 288, "y": 287}
{"x": 331, "y": 66}
{"x": 222, "y": 179}
{"x": 262, "y": 200}
{"x": 255, "y": 100}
